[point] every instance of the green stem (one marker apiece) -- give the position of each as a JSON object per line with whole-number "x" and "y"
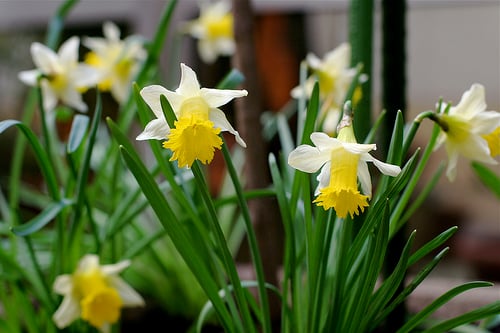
{"x": 221, "y": 245}
{"x": 252, "y": 239}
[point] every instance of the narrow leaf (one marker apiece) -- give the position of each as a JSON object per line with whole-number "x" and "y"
{"x": 42, "y": 219}
{"x": 77, "y": 133}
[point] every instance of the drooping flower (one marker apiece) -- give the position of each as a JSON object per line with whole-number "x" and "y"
{"x": 94, "y": 293}
{"x": 493, "y": 140}
{"x": 116, "y": 60}
{"x": 61, "y": 76}
{"x": 343, "y": 162}
{"x": 334, "y": 76}
{"x": 199, "y": 120}
{"x": 213, "y": 29}
{"x": 465, "y": 130}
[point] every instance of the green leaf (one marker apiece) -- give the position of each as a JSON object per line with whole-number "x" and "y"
{"x": 77, "y": 133}
{"x": 42, "y": 219}
{"x": 443, "y": 299}
{"x": 488, "y": 177}
{"x": 431, "y": 245}
{"x": 233, "y": 79}
{"x": 312, "y": 113}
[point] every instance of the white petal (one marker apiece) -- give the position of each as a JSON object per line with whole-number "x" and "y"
{"x": 189, "y": 85}
{"x": 88, "y": 262}
{"x": 386, "y": 168}
{"x": 156, "y": 129}
{"x": 359, "y": 148}
{"x": 307, "y": 158}
{"x": 324, "y": 142}
{"x": 218, "y": 97}
{"x": 29, "y": 77}
{"x": 63, "y": 284}
{"x": 451, "y": 170}
{"x": 313, "y": 61}
{"x": 151, "y": 95}
{"x": 485, "y": 122}
{"x": 112, "y": 269}
{"x": 476, "y": 148}
{"x": 364, "y": 178}
{"x": 68, "y": 311}
{"x": 471, "y": 103}
{"x": 323, "y": 177}
{"x": 207, "y": 51}
{"x": 128, "y": 295}
{"x": 44, "y": 58}
{"x": 84, "y": 76}
{"x": 111, "y": 31}
{"x": 49, "y": 97}
{"x": 220, "y": 121}
{"x": 226, "y": 46}
{"x": 74, "y": 99}
{"x": 68, "y": 52}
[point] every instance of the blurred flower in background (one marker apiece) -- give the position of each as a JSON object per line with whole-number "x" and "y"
{"x": 469, "y": 130}
{"x": 60, "y": 74}
{"x": 213, "y": 29}
{"x": 116, "y": 60}
{"x": 95, "y": 293}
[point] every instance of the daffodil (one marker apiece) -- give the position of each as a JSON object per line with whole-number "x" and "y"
{"x": 466, "y": 129}
{"x": 334, "y": 76}
{"x": 61, "y": 76}
{"x": 116, "y": 60}
{"x": 195, "y": 135}
{"x": 213, "y": 29}
{"x": 343, "y": 162}
{"x": 94, "y": 293}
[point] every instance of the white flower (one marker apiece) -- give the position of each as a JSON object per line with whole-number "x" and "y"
{"x": 213, "y": 29}
{"x": 61, "y": 76}
{"x": 199, "y": 119}
{"x": 95, "y": 293}
{"x": 116, "y": 60}
{"x": 464, "y": 129}
{"x": 334, "y": 76}
{"x": 343, "y": 162}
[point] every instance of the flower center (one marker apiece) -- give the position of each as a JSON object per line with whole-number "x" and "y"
{"x": 326, "y": 82}
{"x": 220, "y": 27}
{"x": 100, "y": 303}
{"x": 193, "y": 138}
{"x": 342, "y": 193}
{"x": 194, "y": 106}
{"x": 58, "y": 82}
{"x": 458, "y": 130}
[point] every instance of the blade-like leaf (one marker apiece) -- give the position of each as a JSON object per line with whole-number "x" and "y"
{"x": 77, "y": 133}
{"x": 42, "y": 219}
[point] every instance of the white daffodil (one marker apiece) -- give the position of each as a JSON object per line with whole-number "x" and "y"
{"x": 61, "y": 76}
{"x": 116, "y": 60}
{"x": 95, "y": 293}
{"x": 343, "y": 162}
{"x": 199, "y": 119}
{"x": 465, "y": 130}
{"x": 334, "y": 76}
{"x": 213, "y": 29}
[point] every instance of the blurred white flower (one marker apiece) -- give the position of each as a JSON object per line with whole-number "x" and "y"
{"x": 116, "y": 60}
{"x": 465, "y": 130}
{"x": 213, "y": 29}
{"x": 60, "y": 74}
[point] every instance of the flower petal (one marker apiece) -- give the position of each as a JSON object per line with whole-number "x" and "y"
{"x": 151, "y": 95}
{"x": 68, "y": 311}
{"x": 308, "y": 158}
{"x": 485, "y": 122}
{"x": 386, "y": 168}
{"x": 29, "y": 77}
{"x": 156, "y": 129}
{"x": 364, "y": 178}
{"x": 324, "y": 142}
{"x": 44, "y": 58}
{"x": 471, "y": 103}
{"x": 113, "y": 269}
{"x": 128, "y": 295}
{"x": 220, "y": 121}
{"x": 63, "y": 284}
{"x": 323, "y": 177}
{"x": 359, "y": 148}
{"x": 111, "y": 31}
{"x": 218, "y": 97}
{"x": 189, "y": 85}
{"x": 68, "y": 52}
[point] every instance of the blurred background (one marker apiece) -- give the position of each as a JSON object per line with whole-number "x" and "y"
{"x": 451, "y": 44}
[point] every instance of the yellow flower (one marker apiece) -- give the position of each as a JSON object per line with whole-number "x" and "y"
{"x": 334, "y": 76}
{"x": 199, "y": 119}
{"x": 213, "y": 29}
{"x": 116, "y": 60}
{"x": 61, "y": 76}
{"x": 95, "y": 293}
{"x": 466, "y": 129}
{"x": 342, "y": 162}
